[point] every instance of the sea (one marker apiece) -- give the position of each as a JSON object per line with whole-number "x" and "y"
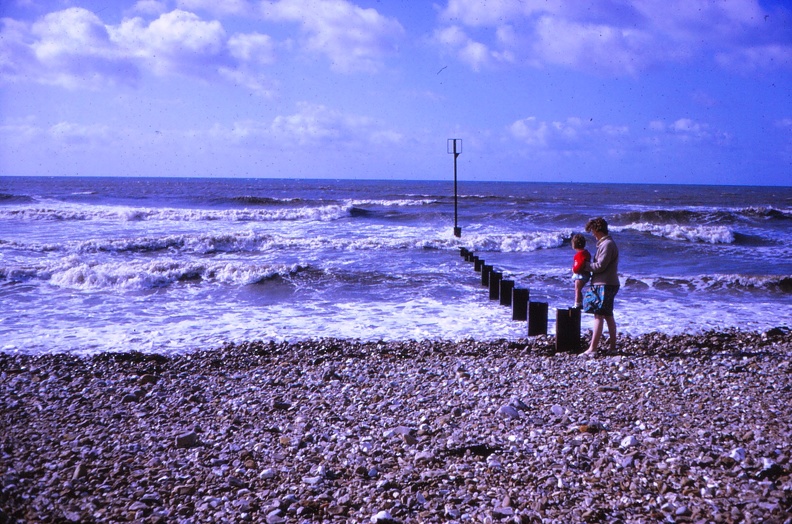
{"x": 174, "y": 265}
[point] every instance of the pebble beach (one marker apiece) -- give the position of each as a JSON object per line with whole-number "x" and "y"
{"x": 682, "y": 428}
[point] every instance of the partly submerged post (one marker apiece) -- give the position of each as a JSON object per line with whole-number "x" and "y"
{"x": 568, "y": 329}
{"x": 452, "y": 148}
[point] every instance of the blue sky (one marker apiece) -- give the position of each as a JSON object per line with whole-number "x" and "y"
{"x": 659, "y": 91}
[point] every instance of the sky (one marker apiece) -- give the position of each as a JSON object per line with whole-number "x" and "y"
{"x": 643, "y": 91}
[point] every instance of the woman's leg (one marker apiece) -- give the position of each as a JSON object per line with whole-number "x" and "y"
{"x": 611, "y": 332}
{"x": 596, "y": 335}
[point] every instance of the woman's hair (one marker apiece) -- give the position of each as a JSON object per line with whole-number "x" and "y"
{"x": 597, "y": 224}
{"x": 578, "y": 241}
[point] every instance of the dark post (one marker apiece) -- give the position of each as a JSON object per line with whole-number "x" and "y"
{"x": 506, "y": 287}
{"x": 537, "y": 318}
{"x": 568, "y": 329}
{"x": 479, "y": 263}
{"x": 520, "y": 304}
{"x": 452, "y": 148}
{"x": 486, "y": 269}
{"x": 494, "y": 284}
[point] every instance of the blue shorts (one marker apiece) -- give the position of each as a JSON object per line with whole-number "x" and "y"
{"x": 585, "y": 277}
{"x": 608, "y": 294}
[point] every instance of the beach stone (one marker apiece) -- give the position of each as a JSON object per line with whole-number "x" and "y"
{"x": 383, "y": 517}
{"x": 187, "y": 440}
{"x": 738, "y": 454}
{"x": 629, "y": 442}
{"x": 148, "y": 379}
{"x": 80, "y": 471}
{"x": 509, "y": 411}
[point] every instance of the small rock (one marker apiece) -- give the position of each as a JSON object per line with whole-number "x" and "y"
{"x": 148, "y": 379}
{"x": 187, "y": 440}
{"x": 383, "y": 517}
{"x": 424, "y": 456}
{"x": 557, "y": 410}
{"x": 502, "y": 513}
{"x": 150, "y": 498}
{"x": 738, "y": 454}
{"x": 629, "y": 442}
{"x": 509, "y": 411}
{"x": 80, "y": 471}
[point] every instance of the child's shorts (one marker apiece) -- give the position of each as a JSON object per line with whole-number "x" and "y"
{"x": 585, "y": 277}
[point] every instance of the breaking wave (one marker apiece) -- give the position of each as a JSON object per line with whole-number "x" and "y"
{"x": 689, "y": 233}
{"x": 703, "y": 216}
{"x": 710, "y": 283}
{"x": 322, "y": 213}
{"x": 76, "y": 273}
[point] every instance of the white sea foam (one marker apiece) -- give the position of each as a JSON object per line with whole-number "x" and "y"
{"x": 77, "y": 273}
{"x": 516, "y": 242}
{"x": 131, "y": 214}
{"x": 708, "y": 234}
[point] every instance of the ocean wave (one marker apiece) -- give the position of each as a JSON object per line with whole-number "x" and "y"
{"x": 6, "y": 198}
{"x": 517, "y": 242}
{"x": 264, "y": 201}
{"x": 75, "y": 273}
{"x": 713, "y": 283}
{"x": 690, "y": 233}
{"x": 703, "y": 216}
{"x": 87, "y": 213}
{"x": 409, "y": 202}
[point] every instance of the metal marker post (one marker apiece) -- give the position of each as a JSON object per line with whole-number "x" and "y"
{"x": 452, "y": 148}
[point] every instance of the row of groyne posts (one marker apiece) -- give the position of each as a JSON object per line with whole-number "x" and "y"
{"x": 523, "y": 309}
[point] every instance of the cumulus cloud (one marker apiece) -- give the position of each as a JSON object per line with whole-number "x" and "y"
{"x": 353, "y": 38}
{"x": 75, "y": 49}
{"x": 217, "y": 7}
{"x": 315, "y": 123}
{"x": 71, "y": 48}
{"x": 568, "y": 134}
{"x": 311, "y": 125}
{"x": 176, "y": 42}
{"x": 615, "y": 38}
{"x": 69, "y": 133}
{"x": 688, "y": 130}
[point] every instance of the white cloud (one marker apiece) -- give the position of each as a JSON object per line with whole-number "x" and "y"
{"x": 558, "y": 135}
{"x": 593, "y": 47}
{"x": 176, "y": 42}
{"x": 69, "y": 133}
{"x": 150, "y": 7}
{"x": 312, "y": 125}
{"x": 757, "y": 58}
{"x": 73, "y": 48}
{"x": 688, "y": 130}
{"x": 217, "y": 7}
{"x": 252, "y": 48}
{"x": 619, "y": 37}
{"x": 353, "y": 38}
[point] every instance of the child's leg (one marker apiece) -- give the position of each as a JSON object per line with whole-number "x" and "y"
{"x": 579, "y": 292}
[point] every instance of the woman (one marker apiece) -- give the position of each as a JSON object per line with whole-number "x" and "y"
{"x": 604, "y": 268}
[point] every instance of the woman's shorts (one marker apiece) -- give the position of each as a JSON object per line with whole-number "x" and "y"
{"x": 608, "y": 294}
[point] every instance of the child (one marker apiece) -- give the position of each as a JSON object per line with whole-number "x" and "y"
{"x": 580, "y": 276}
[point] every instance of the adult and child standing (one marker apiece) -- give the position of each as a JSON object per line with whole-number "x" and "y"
{"x": 602, "y": 270}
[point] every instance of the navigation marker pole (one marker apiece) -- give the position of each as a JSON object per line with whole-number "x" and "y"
{"x": 452, "y": 148}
